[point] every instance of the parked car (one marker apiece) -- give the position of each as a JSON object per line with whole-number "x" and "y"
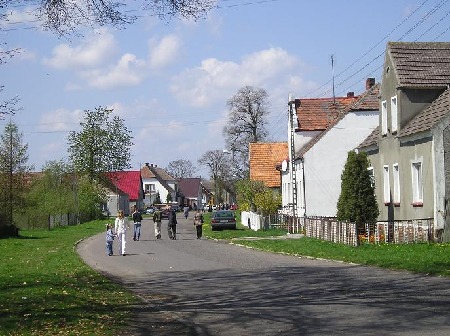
{"x": 176, "y": 208}
{"x": 149, "y": 211}
{"x": 223, "y": 219}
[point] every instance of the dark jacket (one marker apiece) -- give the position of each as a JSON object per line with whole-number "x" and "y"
{"x": 172, "y": 217}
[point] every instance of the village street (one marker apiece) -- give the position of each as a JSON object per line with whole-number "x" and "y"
{"x": 204, "y": 287}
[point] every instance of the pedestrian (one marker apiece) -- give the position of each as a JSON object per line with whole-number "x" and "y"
{"x": 198, "y": 223}
{"x": 186, "y": 211}
{"x": 120, "y": 227}
{"x": 137, "y": 219}
{"x": 172, "y": 224}
{"x": 109, "y": 239}
{"x": 157, "y": 216}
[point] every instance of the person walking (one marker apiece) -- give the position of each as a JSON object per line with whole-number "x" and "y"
{"x": 109, "y": 239}
{"x": 172, "y": 224}
{"x": 198, "y": 223}
{"x": 120, "y": 227}
{"x": 157, "y": 216}
{"x": 137, "y": 219}
{"x": 186, "y": 211}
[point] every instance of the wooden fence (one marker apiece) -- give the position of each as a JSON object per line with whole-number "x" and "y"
{"x": 330, "y": 229}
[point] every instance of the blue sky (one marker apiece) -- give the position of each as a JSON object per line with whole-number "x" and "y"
{"x": 170, "y": 81}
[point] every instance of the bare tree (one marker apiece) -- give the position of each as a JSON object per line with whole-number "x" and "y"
{"x": 66, "y": 16}
{"x": 180, "y": 169}
{"x": 248, "y": 110}
{"x": 219, "y": 168}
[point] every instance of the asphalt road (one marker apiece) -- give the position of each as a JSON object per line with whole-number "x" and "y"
{"x": 204, "y": 287}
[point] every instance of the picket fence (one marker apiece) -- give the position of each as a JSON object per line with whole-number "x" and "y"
{"x": 330, "y": 229}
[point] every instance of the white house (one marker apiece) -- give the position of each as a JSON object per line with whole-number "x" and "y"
{"x": 339, "y": 125}
{"x": 156, "y": 180}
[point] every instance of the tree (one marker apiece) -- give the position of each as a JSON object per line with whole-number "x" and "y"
{"x": 357, "y": 202}
{"x": 268, "y": 201}
{"x": 219, "y": 167}
{"x": 102, "y": 145}
{"x": 180, "y": 169}
{"x": 248, "y": 110}
{"x": 13, "y": 171}
{"x": 67, "y": 16}
{"x": 246, "y": 191}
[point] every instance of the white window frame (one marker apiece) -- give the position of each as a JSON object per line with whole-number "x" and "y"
{"x": 394, "y": 114}
{"x": 417, "y": 182}
{"x": 149, "y": 188}
{"x": 384, "y": 121}
{"x": 396, "y": 177}
{"x": 386, "y": 185}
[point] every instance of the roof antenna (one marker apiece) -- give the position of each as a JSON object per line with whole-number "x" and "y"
{"x": 332, "y": 73}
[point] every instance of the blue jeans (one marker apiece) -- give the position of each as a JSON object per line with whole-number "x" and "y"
{"x": 137, "y": 231}
{"x": 109, "y": 247}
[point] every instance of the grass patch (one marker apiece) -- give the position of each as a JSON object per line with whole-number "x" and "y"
{"x": 433, "y": 259}
{"x": 46, "y": 289}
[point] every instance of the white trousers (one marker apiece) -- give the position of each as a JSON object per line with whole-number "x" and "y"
{"x": 157, "y": 229}
{"x": 122, "y": 242}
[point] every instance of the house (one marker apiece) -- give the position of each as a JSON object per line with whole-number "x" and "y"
{"x": 156, "y": 180}
{"x": 409, "y": 151}
{"x": 191, "y": 190}
{"x": 263, "y": 161}
{"x": 125, "y": 192}
{"x": 312, "y": 182}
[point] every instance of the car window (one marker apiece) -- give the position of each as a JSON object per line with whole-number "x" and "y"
{"x": 222, "y": 214}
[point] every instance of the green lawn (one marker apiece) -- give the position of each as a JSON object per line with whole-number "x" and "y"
{"x": 46, "y": 289}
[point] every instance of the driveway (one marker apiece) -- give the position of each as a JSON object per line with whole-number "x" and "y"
{"x": 205, "y": 287}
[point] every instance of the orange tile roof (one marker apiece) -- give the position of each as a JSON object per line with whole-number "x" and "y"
{"x": 264, "y": 157}
{"x": 315, "y": 114}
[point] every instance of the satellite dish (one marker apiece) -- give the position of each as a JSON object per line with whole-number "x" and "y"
{"x": 284, "y": 165}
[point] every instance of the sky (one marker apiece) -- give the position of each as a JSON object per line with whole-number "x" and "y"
{"x": 170, "y": 80}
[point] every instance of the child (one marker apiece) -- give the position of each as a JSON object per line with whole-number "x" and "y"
{"x": 109, "y": 239}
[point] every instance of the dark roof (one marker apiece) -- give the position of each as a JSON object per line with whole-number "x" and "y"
{"x": 128, "y": 182}
{"x": 421, "y": 64}
{"x": 372, "y": 139}
{"x": 368, "y": 101}
{"x": 190, "y": 186}
{"x": 426, "y": 119}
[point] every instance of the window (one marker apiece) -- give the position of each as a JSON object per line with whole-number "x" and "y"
{"x": 384, "y": 122}
{"x": 386, "y": 185}
{"x": 372, "y": 176}
{"x": 417, "y": 183}
{"x": 394, "y": 114}
{"x": 149, "y": 188}
{"x": 396, "y": 176}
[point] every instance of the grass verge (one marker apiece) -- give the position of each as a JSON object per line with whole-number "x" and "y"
{"x": 46, "y": 289}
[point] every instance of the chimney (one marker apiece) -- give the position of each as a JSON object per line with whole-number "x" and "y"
{"x": 370, "y": 82}
{"x": 350, "y": 94}
{"x": 146, "y": 164}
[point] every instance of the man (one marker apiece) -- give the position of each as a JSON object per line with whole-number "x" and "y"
{"x": 172, "y": 224}
{"x": 157, "y": 216}
{"x": 137, "y": 219}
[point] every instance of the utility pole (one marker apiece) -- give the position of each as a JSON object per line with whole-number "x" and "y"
{"x": 292, "y": 114}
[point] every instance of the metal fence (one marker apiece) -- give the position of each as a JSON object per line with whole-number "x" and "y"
{"x": 330, "y": 229}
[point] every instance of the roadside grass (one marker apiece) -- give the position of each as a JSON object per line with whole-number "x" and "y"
{"x": 425, "y": 258}
{"x": 46, "y": 289}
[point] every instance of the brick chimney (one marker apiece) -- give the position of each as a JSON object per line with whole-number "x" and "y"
{"x": 370, "y": 82}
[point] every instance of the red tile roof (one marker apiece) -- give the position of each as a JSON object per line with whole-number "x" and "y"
{"x": 264, "y": 158}
{"x": 128, "y": 182}
{"x": 315, "y": 114}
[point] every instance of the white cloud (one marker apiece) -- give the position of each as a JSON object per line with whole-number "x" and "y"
{"x": 94, "y": 51}
{"x": 214, "y": 79}
{"x": 164, "y": 52}
{"x": 60, "y": 120}
{"x": 129, "y": 71}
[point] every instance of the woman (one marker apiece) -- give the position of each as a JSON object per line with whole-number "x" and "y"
{"x": 120, "y": 227}
{"x": 198, "y": 222}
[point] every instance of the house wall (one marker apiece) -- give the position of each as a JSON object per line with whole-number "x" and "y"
{"x": 118, "y": 202}
{"x": 324, "y": 162}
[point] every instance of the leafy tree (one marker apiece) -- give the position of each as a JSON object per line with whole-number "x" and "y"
{"x": 357, "y": 202}
{"x": 180, "y": 169}
{"x": 247, "y": 120}
{"x": 268, "y": 201}
{"x": 169, "y": 197}
{"x": 219, "y": 168}
{"x": 91, "y": 195}
{"x": 102, "y": 145}
{"x": 13, "y": 173}
{"x": 157, "y": 198}
{"x": 247, "y": 190}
